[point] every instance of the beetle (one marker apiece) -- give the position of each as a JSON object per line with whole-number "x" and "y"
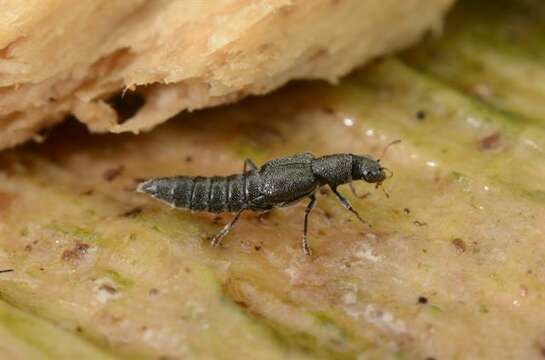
{"x": 278, "y": 183}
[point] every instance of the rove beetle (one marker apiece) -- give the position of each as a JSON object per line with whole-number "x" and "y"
{"x": 278, "y": 183}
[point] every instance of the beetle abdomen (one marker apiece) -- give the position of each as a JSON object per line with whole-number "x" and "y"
{"x": 213, "y": 194}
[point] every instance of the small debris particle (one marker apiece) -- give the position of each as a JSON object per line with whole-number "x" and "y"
{"x": 28, "y": 248}
{"x": 166, "y": 357}
{"x": 324, "y": 191}
{"x": 407, "y": 211}
{"x": 420, "y": 223}
{"x": 460, "y": 245}
{"x": 422, "y": 300}
{"x": 483, "y": 309}
{"x": 523, "y": 290}
{"x": 321, "y": 232}
{"x": 257, "y": 247}
{"x": 430, "y": 358}
{"x": 490, "y": 142}
{"x": 108, "y": 288}
{"x": 112, "y": 173}
{"x": 217, "y": 220}
{"x": 79, "y": 329}
{"x": 88, "y": 192}
{"x": 6, "y": 271}
{"x": 328, "y": 215}
{"x": 328, "y": 110}
{"x": 365, "y": 196}
{"x": 77, "y": 253}
{"x": 132, "y": 212}
{"x": 541, "y": 347}
{"x": 482, "y": 90}
{"x": 105, "y": 290}
{"x": 421, "y": 115}
{"x": 188, "y": 159}
{"x": 153, "y": 292}
{"x": 242, "y": 304}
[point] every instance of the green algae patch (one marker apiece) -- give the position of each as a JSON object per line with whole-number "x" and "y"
{"x": 27, "y": 336}
{"x": 455, "y": 249}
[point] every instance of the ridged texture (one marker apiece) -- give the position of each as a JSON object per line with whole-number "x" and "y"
{"x": 211, "y": 194}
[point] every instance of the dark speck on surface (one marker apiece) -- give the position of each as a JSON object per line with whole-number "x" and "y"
{"x": 153, "y": 292}
{"x": 420, "y": 115}
{"x": 132, "y": 212}
{"x": 112, "y": 173}
{"x": 459, "y": 244}
{"x": 490, "y": 142}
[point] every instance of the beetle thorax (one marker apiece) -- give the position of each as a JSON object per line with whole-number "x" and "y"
{"x": 333, "y": 170}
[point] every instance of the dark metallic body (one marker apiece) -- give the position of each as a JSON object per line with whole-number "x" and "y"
{"x": 277, "y": 183}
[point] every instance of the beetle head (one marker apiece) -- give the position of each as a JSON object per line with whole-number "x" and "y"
{"x": 367, "y": 169}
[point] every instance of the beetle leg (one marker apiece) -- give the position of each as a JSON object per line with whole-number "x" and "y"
{"x": 216, "y": 240}
{"x": 359, "y": 196}
{"x": 308, "y": 209}
{"x": 249, "y": 164}
{"x": 346, "y": 204}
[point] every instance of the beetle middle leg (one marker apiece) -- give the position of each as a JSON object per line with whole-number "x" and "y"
{"x": 346, "y": 204}
{"x": 248, "y": 164}
{"x": 216, "y": 240}
{"x": 308, "y": 209}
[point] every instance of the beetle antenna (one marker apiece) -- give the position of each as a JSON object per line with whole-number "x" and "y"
{"x": 390, "y": 172}
{"x": 387, "y": 147}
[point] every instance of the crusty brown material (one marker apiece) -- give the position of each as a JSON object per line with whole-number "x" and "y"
{"x": 61, "y": 56}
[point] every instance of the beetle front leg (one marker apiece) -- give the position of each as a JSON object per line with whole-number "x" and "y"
{"x": 346, "y": 204}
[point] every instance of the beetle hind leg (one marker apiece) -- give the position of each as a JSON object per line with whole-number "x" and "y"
{"x": 308, "y": 209}
{"x": 216, "y": 240}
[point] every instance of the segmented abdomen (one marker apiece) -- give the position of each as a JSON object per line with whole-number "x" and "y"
{"x": 213, "y": 194}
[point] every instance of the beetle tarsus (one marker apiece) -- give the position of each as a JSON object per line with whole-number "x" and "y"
{"x": 346, "y": 204}
{"x": 216, "y": 240}
{"x": 308, "y": 209}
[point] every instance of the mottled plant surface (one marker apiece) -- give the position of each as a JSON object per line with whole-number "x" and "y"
{"x": 452, "y": 268}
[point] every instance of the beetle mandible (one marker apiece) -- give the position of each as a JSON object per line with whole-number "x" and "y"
{"x": 278, "y": 183}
